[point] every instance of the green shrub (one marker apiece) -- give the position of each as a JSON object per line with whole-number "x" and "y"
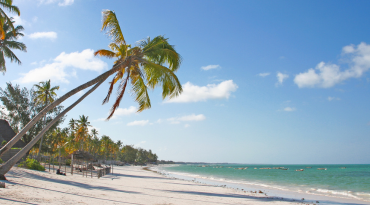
{"x": 1, "y": 161}
{"x": 3, "y": 143}
{"x": 32, "y": 164}
{"x": 68, "y": 162}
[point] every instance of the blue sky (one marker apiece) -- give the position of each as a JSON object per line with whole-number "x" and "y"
{"x": 264, "y": 81}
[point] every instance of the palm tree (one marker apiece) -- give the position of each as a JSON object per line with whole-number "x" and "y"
{"x": 7, "y": 4}
{"x": 72, "y": 124}
{"x": 145, "y": 63}
{"x": 146, "y": 69}
{"x": 9, "y": 42}
{"x": 45, "y": 94}
{"x": 94, "y": 132}
{"x": 82, "y": 130}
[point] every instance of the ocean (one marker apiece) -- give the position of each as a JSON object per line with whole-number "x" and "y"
{"x": 349, "y": 181}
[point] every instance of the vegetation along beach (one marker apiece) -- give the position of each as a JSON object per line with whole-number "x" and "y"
{"x": 184, "y": 102}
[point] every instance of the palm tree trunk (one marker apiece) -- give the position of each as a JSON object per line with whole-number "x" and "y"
{"x": 102, "y": 77}
{"x": 11, "y": 162}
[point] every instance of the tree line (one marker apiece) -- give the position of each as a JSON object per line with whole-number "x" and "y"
{"x": 142, "y": 67}
{"x": 21, "y": 104}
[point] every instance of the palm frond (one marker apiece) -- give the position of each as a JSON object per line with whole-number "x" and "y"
{"x": 160, "y": 51}
{"x": 140, "y": 91}
{"x": 8, "y": 53}
{"x": 7, "y": 4}
{"x": 158, "y": 74}
{"x": 105, "y": 53}
{"x": 110, "y": 23}
{"x": 2, "y": 62}
{"x": 16, "y": 45}
{"x": 121, "y": 91}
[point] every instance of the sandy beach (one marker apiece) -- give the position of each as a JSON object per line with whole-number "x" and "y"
{"x": 128, "y": 185}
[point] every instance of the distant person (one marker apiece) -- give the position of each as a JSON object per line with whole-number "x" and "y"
{"x": 61, "y": 173}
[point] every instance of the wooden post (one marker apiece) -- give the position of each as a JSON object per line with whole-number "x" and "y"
{"x": 72, "y": 164}
{"x": 59, "y": 159}
{"x": 53, "y": 165}
{"x": 91, "y": 168}
{"x": 65, "y": 167}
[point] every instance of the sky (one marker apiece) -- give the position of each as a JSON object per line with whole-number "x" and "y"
{"x": 267, "y": 82}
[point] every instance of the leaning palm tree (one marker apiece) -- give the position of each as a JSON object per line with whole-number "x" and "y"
{"x": 9, "y": 42}
{"x": 145, "y": 65}
{"x": 8, "y": 5}
{"x": 45, "y": 94}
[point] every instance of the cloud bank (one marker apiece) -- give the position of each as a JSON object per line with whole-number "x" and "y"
{"x": 138, "y": 123}
{"x": 326, "y": 75}
{"x": 55, "y": 71}
{"x": 48, "y": 35}
{"x": 194, "y": 93}
{"x": 209, "y": 67}
{"x": 187, "y": 118}
{"x": 60, "y": 2}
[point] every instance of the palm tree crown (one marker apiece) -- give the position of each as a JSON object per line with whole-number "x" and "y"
{"x": 8, "y": 43}
{"x": 45, "y": 93}
{"x": 144, "y": 65}
{"x": 7, "y": 4}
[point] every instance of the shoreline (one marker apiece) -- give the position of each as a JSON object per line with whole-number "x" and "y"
{"x": 291, "y": 195}
{"x": 127, "y": 185}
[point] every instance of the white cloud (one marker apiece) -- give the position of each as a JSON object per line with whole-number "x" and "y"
{"x": 60, "y": 2}
{"x": 326, "y": 75}
{"x": 194, "y": 93}
{"x": 53, "y": 71}
{"x": 281, "y": 77}
{"x": 289, "y": 109}
{"x": 66, "y": 3}
{"x": 209, "y": 67}
{"x": 50, "y": 35}
{"x": 263, "y": 74}
{"x": 187, "y": 118}
{"x": 193, "y": 117}
{"x": 125, "y": 111}
{"x": 84, "y": 60}
{"x": 333, "y": 98}
{"x": 56, "y": 71}
{"x": 186, "y": 125}
{"x": 19, "y": 21}
{"x": 159, "y": 121}
{"x": 138, "y": 122}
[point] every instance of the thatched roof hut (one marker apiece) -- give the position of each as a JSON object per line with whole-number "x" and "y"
{"x": 82, "y": 155}
{"x": 7, "y": 133}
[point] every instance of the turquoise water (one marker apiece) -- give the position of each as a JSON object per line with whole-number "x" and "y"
{"x": 353, "y": 181}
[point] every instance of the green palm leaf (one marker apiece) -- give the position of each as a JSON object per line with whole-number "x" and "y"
{"x": 111, "y": 24}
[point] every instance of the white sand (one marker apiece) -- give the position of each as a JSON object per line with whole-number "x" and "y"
{"x": 128, "y": 185}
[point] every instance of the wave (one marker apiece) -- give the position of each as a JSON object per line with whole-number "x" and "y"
{"x": 290, "y": 188}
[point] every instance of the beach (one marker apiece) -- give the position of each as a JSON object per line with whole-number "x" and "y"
{"x": 127, "y": 185}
